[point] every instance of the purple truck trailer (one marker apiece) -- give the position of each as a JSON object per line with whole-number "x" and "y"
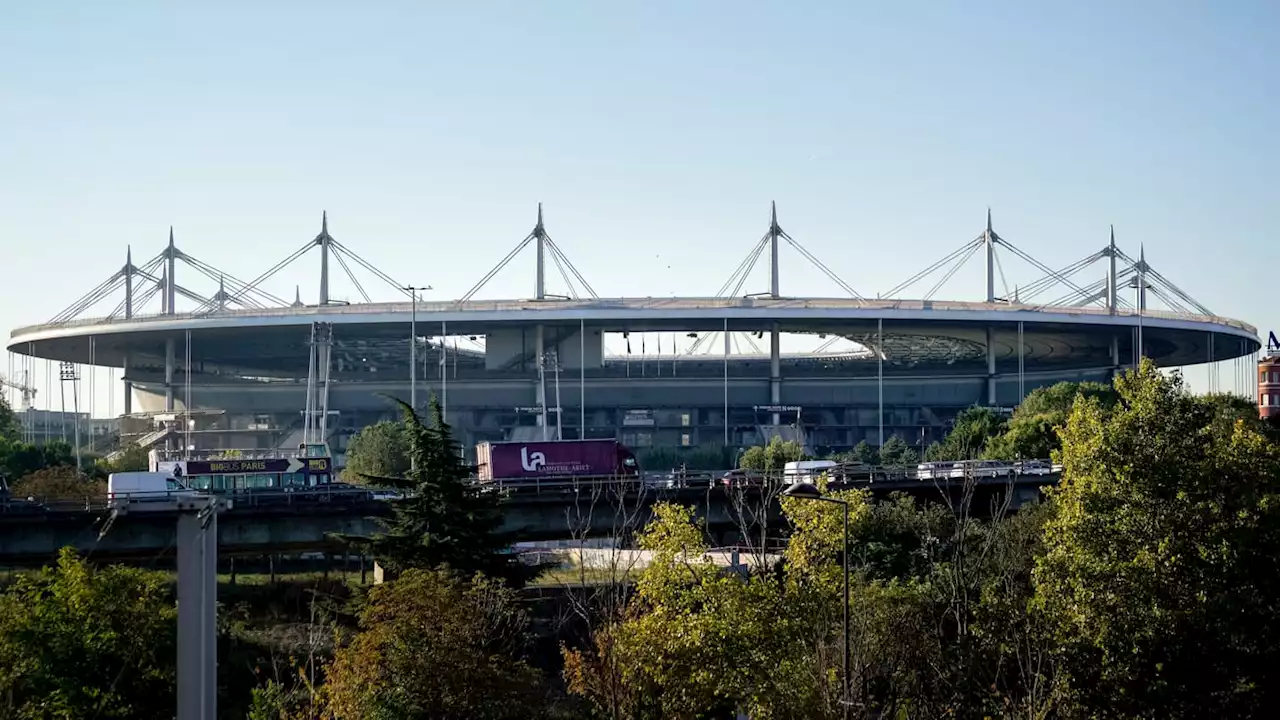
{"x": 563, "y": 459}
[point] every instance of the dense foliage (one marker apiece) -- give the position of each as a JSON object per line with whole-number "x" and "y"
{"x": 434, "y": 646}
{"x": 378, "y": 451}
{"x": 773, "y": 457}
{"x": 443, "y": 519}
{"x": 81, "y": 643}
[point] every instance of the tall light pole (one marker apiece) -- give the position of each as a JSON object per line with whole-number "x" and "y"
{"x": 413, "y": 342}
{"x": 809, "y": 491}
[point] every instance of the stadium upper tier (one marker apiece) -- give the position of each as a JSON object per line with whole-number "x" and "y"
{"x": 915, "y": 333}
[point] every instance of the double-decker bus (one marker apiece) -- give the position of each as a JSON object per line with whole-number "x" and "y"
{"x": 309, "y": 469}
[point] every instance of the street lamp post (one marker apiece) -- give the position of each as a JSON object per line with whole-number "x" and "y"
{"x": 809, "y": 491}
{"x": 413, "y": 350}
{"x": 413, "y": 342}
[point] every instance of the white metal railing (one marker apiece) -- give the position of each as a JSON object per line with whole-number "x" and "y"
{"x": 648, "y": 303}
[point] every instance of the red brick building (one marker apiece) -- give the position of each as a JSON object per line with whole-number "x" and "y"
{"x": 1269, "y": 386}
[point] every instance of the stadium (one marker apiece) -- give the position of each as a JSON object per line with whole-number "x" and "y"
{"x": 243, "y": 368}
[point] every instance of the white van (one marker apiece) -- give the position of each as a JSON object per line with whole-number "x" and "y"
{"x": 806, "y": 471}
{"x": 126, "y": 487}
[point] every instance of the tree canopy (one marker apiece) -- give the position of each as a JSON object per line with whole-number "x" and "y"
{"x": 76, "y": 642}
{"x": 443, "y": 519}
{"x": 773, "y": 457}
{"x": 1033, "y": 430}
{"x": 968, "y": 437}
{"x": 1160, "y": 564}
{"x": 378, "y": 451}
{"x": 10, "y": 426}
{"x": 432, "y": 645}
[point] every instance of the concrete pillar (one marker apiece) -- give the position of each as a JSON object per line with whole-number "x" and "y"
{"x": 991, "y": 366}
{"x": 169, "y": 362}
{"x": 775, "y": 370}
{"x": 197, "y": 546}
{"x": 539, "y": 348}
{"x": 128, "y": 386}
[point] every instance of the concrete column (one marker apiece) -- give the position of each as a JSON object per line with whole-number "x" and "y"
{"x": 169, "y": 362}
{"x": 991, "y": 366}
{"x": 128, "y": 386}
{"x": 539, "y": 347}
{"x": 197, "y": 616}
{"x": 775, "y": 370}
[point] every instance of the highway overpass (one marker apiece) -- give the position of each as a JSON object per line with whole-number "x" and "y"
{"x": 307, "y": 522}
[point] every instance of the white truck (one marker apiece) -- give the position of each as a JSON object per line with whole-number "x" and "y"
{"x": 132, "y": 487}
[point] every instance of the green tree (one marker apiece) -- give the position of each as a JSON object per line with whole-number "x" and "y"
{"x": 696, "y": 641}
{"x": 1032, "y": 431}
{"x": 433, "y": 646}
{"x": 896, "y": 453}
{"x": 861, "y": 453}
{"x": 773, "y": 457}
{"x": 10, "y": 426}
{"x": 444, "y": 519}
{"x": 132, "y": 458}
{"x": 1159, "y": 564}
{"x": 378, "y": 451}
{"x": 76, "y": 642}
{"x": 18, "y": 459}
{"x": 968, "y": 436}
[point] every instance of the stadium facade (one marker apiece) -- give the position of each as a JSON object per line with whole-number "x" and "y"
{"x": 242, "y": 368}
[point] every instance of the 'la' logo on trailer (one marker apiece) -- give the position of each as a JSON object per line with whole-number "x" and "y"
{"x": 531, "y": 461}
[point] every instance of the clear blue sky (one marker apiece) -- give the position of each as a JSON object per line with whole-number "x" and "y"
{"x": 655, "y": 134}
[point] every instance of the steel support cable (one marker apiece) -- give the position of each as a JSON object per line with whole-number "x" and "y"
{"x": 143, "y": 271}
{"x": 245, "y": 302}
{"x": 996, "y": 257}
{"x": 370, "y": 267}
{"x": 952, "y": 271}
{"x": 1075, "y": 295}
{"x": 1172, "y": 302}
{"x": 1036, "y": 263}
{"x": 1178, "y": 291}
{"x": 751, "y": 341}
{"x": 147, "y": 294}
{"x": 1045, "y": 282}
{"x": 555, "y": 258}
{"x": 95, "y": 296}
{"x": 235, "y": 284}
{"x": 929, "y": 270}
{"x": 350, "y": 276}
{"x": 497, "y": 268}
{"x": 744, "y": 268}
{"x": 178, "y": 289}
{"x": 252, "y": 285}
{"x": 821, "y": 266}
{"x": 556, "y": 251}
{"x": 225, "y": 278}
{"x": 746, "y": 274}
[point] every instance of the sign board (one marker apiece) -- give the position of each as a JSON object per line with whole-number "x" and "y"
{"x": 309, "y": 466}
{"x": 777, "y": 408}
{"x": 635, "y": 418}
{"x": 1273, "y": 345}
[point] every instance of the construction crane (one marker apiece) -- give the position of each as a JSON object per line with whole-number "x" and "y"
{"x": 28, "y": 395}
{"x": 28, "y": 392}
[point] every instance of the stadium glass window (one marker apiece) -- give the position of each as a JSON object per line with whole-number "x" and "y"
{"x": 685, "y": 440}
